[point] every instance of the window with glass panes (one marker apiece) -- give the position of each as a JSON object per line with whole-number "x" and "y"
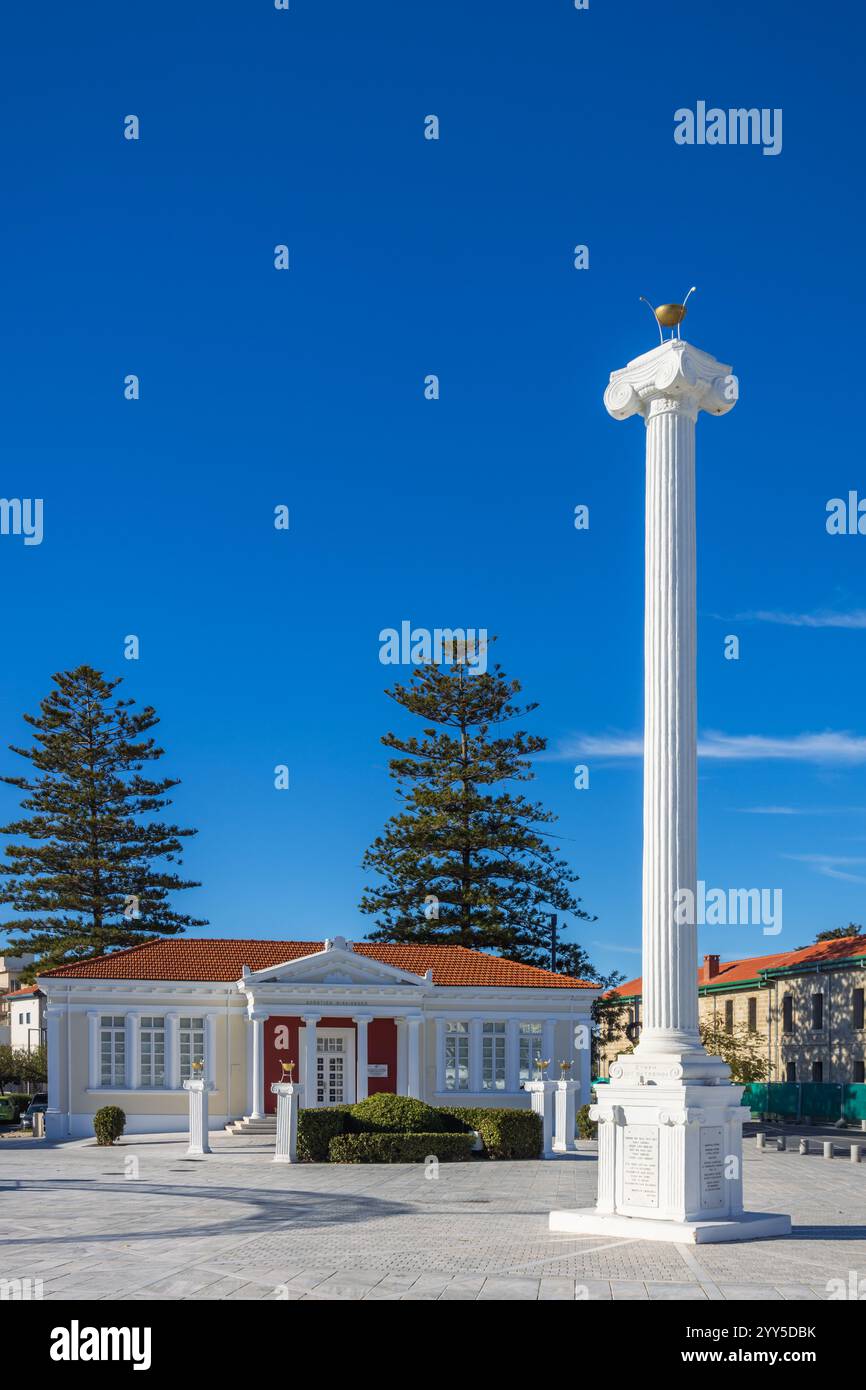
{"x": 530, "y": 1050}
{"x": 191, "y": 1039}
{"x": 493, "y": 1057}
{"x": 152, "y": 1045}
{"x": 456, "y": 1057}
{"x": 112, "y": 1050}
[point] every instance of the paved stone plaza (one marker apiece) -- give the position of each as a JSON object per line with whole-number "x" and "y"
{"x": 140, "y": 1221}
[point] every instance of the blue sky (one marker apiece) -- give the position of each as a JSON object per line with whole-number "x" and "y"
{"x": 305, "y": 387}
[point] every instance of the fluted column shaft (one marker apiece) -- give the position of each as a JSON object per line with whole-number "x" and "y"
{"x": 670, "y": 999}
{"x": 669, "y": 387}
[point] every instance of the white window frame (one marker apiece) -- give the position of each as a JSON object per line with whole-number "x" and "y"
{"x": 191, "y": 1027}
{"x": 531, "y": 1050}
{"x": 494, "y": 1055}
{"x": 113, "y": 1028}
{"x": 457, "y": 1057}
{"x": 348, "y": 1036}
{"x": 150, "y": 1028}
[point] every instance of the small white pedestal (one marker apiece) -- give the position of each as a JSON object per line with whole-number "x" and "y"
{"x": 198, "y": 1118}
{"x": 541, "y": 1096}
{"x": 288, "y": 1094}
{"x": 563, "y": 1137}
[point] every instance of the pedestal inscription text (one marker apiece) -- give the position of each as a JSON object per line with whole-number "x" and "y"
{"x": 712, "y": 1161}
{"x": 640, "y": 1165}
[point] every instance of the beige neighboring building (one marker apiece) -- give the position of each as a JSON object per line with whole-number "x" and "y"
{"x": 807, "y": 1006}
{"x": 10, "y": 973}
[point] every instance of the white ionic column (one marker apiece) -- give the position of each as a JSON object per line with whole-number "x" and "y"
{"x": 670, "y": 1122}
{"x": 257, "y": 1021}
{"x": 94, "y": 1059}
{"x": 669, "y": 387}
{"x": 413, "y": 1080}
{"x": 361, "y": 1022}
{"x": 548, "y": 1038}
{"x": 310, "y": 1021}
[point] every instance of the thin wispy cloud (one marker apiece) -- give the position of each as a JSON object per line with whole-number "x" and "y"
{"x": 823, "y": 617}
{"x": 831, "y": 746}
{"x": 829, "y": 865}
{"x": 627, "y": 950}
{"x": 800, "y": 810}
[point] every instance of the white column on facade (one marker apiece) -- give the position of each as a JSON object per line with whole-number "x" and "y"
{"x": 94, "y": 1056}
{"x": 257, "y": 1021}
{"x": 172, "y": 1052}
{"x": 413, "y": 1080}
{"x": 133, "y": 1051}
{"x": 512, "y": 1055}
{"x": 669, "y": 387}
{"x": 476, "y": 1060}
{"x": 361, "y": 1022}
{"x": 54, "y": 1017}
{"x": 548, "y": 1040}
{"x": 210, "y": 1050}
{"x": 310, "y": 1021}
{"x": 400, "y": 1081}
{"x": 440, "y": 1055}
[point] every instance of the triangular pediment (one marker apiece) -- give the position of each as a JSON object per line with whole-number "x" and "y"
{"x": 337, "y": 964}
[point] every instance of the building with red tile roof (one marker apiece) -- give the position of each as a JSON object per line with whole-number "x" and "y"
{"x": 442, "y": 1023}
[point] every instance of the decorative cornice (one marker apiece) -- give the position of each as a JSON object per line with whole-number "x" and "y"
{"x": 672, "y": 377}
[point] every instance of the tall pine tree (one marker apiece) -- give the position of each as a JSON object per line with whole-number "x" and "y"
{"x": 468, "y": 859}
{"x": 87, "y": 877}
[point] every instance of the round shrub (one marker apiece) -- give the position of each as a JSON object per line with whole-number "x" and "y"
{"x": 108, "y": 1124}
{"x": 385, "y": 1113}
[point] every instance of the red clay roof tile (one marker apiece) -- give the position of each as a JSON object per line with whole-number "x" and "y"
{"x": 182, "y": 958}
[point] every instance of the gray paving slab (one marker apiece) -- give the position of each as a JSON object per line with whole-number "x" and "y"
{"x": 237, "y": 1226}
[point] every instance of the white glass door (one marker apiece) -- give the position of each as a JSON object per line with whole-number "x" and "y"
{"x": 335, "y": 1056}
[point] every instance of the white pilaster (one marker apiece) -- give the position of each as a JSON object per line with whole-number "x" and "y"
{"x": 512, "y": 1055}
{"x": 54, "y": 1017}
{"x": 670, "y": 1125}
{"x": 440, "y": 1055}
{"x": 210, "y": 1050}
{"x": 476, "y": 1061}
{"x": 361, "y": 1022}
{"x": 413, "y": 1087}
{"x": 133, "y": 1051}
{"x": 548, "y": 1041}
{"x": 310, "y": 1021}
{"x": 94, "y": 1059}
{"x": 172, "y": 1052}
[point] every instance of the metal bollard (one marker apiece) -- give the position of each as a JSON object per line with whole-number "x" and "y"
{"x": 781, "y": 1143}
{"x": 828, "y": 1148}
{"x": 804, "y": 1146}
{"x": 855, "y": 1153}
{"x": 760, "y": 1137}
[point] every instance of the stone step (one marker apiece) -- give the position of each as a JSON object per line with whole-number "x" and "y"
{"x": 266, "y": 1125}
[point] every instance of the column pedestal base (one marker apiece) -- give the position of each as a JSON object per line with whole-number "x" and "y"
{"x": 670, "y": 1162}
{"x": 749, "y": 1225}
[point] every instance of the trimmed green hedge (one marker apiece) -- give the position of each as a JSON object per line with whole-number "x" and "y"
{"x": 505, "y": 1133}
{"x": 316, "y": 1129}
{"x": 385, "y": 1113}
{"x": 514, "y": 1134}
{"x": 383, "y": 1147}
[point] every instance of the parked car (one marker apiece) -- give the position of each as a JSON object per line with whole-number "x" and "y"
{"x": 8, "y": 1109}
{"x": 38, "y": 1105}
